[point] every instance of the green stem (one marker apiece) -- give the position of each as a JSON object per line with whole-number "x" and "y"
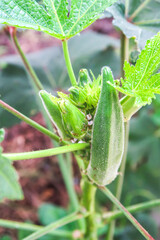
{"x": 129, "y": 107}
{"x": 109, "y": 216}
{"x": 68, "y": 219}
{"x": 38, "y": 86}
{"x": 126, "y": 213}
{"x": 120, "y": 179}
{"x": 45, "y": 153}
{"x": 88, "y": 202}
{"x": 126, "y": 8}
{"x": 33, "y": 228}
{"x": 28, "y": 67}
{"x": 31, "y": 122}
{"x": 124, "y": 52}
{"x": 139, "y": 9}
{"x": 67, "y": 176}
{"x": 68, "y": 63}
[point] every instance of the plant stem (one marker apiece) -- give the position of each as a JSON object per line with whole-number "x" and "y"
{"x": 38, "y": 86}
{"x": 120, "y": 179}
{"x": 67, "y": 176}
{"x": 31, "y": 122}
{"x": 126, "y": 8}
{"x": 129, "y": 107}
{"x": 109, "y": 216}
{"x": 126, "y": 213}
{"x": 124, "y": 52}
{"x": 88, "y": 202}
{"x": 68, "y": 63}
{"x": 33, "y": 227}
{"x": 45, "y": 153}
{"x": 68, "y": 219}
{"x": 28, "y": 67}
{"x": 139, "y": 9}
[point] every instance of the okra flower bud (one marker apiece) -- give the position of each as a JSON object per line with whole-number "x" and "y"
{"x": 52, "y": 107}
{"x": 84, "y": 78}
{"x": 74, "y": 120}
{"x": 78, "y": 95}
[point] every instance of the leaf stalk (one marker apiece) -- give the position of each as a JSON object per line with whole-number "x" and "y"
{"x": 31, "y": 122}
{"x": 45, "y": 153}
{"x": 68, "y": 62}
{"x": 137, "y": 225}
{"x": 28, "y": 67}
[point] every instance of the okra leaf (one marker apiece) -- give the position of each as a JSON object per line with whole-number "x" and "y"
{"x": 9, "y": 185}
{"x": 52, "y": 16}
{"x": 137, "y": 18}
{"x": 140, "y": 80}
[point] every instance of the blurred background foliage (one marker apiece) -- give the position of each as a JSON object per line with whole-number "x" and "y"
{"x": 138, "y": 20}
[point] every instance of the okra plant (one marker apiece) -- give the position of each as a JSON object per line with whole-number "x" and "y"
{"x": 91, "y": 120}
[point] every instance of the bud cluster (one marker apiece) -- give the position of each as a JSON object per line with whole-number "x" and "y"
{"x": 72, "y": 114}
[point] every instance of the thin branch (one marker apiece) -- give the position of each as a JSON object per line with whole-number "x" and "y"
{"x": 139, "y": 9}
{"x": 126, "y": 213}
{"x": 31, "y": 122}
{"x": 109, "y": 216}
{"x": 120, "y": 180}
{"x": 45, "y": 153}
{"x": 32, "y": 227}
{"x": 68, "y": 219}
{"x": 68, "y": 63}
{"x": 30, "y": 70}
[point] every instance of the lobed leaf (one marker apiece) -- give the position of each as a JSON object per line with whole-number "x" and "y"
{"x": 140, "y": 80}
{"x": 53, "y": 16}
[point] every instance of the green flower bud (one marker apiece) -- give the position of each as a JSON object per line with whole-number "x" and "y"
{"x": 84, "y": 78}
{"x": 78, "y": 95}
{"x": 73, "y": 119}
{"x": 52, "y": 107}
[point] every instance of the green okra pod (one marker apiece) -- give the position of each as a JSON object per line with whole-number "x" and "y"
{"x": 107, "y": 142}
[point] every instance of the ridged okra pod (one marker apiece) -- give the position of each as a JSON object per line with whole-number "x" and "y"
{"x": 107, "y": 142}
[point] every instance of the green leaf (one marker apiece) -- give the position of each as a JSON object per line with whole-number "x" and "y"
{"x": 142, "y": 24}
{"x": 5, "y": 238}
{"x": 140, "y": 81}
{"x": 49, "y": 213}
{"x": 52, "y": 17}
{"x": 2, "y": 133}
{"x": 94, "y": 50}
{"x": 9, "y": 185}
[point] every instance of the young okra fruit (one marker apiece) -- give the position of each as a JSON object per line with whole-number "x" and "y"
{"x": 107, "y": 141}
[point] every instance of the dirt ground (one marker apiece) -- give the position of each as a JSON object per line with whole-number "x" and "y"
{"x": 40, "y": 179}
